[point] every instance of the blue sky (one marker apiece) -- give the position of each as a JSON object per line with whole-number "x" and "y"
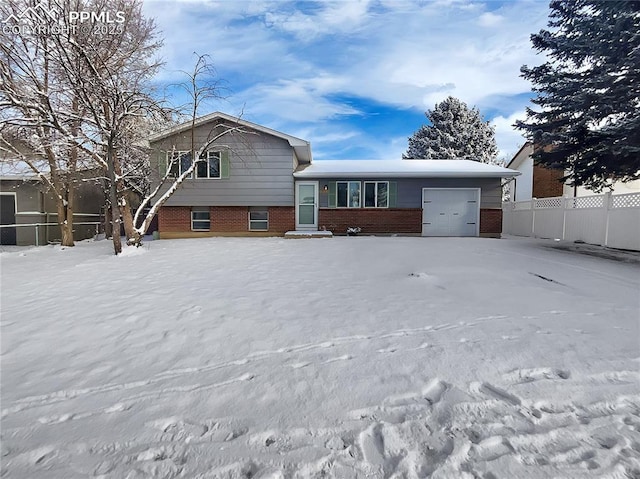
{"x": 355, "y": 77}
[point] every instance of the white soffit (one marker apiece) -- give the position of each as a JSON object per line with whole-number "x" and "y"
{"x": 402, "y": 169}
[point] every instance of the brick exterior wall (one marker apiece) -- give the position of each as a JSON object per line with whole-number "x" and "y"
{"x": 396, "y": 220}
{"x": 174, "y": 218}
{"x": 490, "y": 222}
{"x": 282, "y": 219}
{"x": 546, "y": 182}
{"x": 229, "y": 219}
{"x": 235, "y": 219}
{"x": 224, "y": 219}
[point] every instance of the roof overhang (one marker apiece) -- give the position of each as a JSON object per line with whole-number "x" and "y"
{"x": 517, "y": 157}
{"x": 301, "y": 147}
{"x": 402, "y": 169}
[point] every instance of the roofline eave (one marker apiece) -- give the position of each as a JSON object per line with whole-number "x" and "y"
{"x": 365, "y": 175}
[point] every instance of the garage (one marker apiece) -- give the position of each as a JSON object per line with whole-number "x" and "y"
{"x": 450, "y": 211}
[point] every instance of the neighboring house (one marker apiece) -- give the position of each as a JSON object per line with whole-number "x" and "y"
{"x": 26, "y": 200}
{"x": 537, "y": 181}
{"x": 263, "y": 182}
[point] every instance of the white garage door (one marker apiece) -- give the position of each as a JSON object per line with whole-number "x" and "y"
{"x": 450, "y": 212}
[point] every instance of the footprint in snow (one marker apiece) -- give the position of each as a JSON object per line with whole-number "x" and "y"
{"x": 519, "y": 376}
{"x": 491, "y": 448}
{"x": 344, "y": 357}
{"x": 300, "y": 365}
{"x": 495, "y": 392}
{"x": 434, "y": 391}
{"x": 371, "y": 443}
{"x": 387, "y": 350}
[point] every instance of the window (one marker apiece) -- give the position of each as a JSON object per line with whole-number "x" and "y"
{"x": 376, "y": 194}
{"x": 200, "y": 220}
{"x": 348, "y": 194}
{"x": 178, "y": 162}
{"x": 209, "y": 166}
{"x": 258, "y": 220}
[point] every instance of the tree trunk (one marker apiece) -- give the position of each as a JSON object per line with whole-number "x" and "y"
{"x": 106, "y": 225}
{"x": 113, "y": 198}
{"x": 65, "y": 220}
{"x": 115, "y": 234}
{"x": 127, "y": 219}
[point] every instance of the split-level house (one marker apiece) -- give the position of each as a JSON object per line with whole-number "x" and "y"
{"x": 258, "y": 181}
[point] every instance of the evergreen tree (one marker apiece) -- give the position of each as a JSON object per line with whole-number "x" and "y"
{"x": 455, "y": 133}
{"x": 588, "y": 92}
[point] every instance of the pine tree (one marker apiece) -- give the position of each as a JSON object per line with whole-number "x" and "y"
{"x": 588, "y": 92}
{"x": 455, "y": 133}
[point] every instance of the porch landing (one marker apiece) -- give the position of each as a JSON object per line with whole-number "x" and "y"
{"x": 308, "y": 234}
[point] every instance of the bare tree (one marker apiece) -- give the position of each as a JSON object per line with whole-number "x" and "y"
{"x": 40, "y": 117}
{"x": 80, "y": 97}
{"x": 109, "y": 73}
{"x": 201, "y": 86}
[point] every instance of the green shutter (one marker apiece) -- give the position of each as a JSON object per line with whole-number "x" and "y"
{"x": 162, "y": 164}
{"x": 224, "y": 164}
{"x": 332, "y": 194}
{"x": 393, "y": 194}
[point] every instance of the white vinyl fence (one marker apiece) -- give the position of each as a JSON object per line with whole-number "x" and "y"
{"x": 607, "y": 220}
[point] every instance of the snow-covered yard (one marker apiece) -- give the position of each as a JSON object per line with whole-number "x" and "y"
{"x": 349, "y": 357}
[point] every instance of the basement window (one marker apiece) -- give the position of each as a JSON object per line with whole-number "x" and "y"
{"x": 200, "y": 220}
{"x": 258, "y": 220}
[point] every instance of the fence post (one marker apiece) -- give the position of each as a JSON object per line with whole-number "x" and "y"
{"x": 37, "y": 242}
{"x": 533, "y": 217}
{"x": 565, "y": 201}
{"x": 607, "y": 203}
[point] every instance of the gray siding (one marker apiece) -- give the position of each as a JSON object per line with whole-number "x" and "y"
{"x": 35, "y": 196}
{"x": 28, "y": 196}
{"x": 35, "y": 203}
{"x": 260, "y": 173}
{"x": 410, "y": 189}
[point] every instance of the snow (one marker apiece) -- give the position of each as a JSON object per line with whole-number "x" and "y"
{"x": 402, "y": 169}
{"x": 308, "y": 234}
{"x": 355, "y": 357}
{"x": 454, "y": 131}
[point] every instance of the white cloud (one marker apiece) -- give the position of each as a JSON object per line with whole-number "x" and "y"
{"x": 509, "y": 139}
{"x": 301, "y": 100}
{"x": 489, "y": 19}
{"x": 330, "y": 18}
{"x": 404, "y": 54}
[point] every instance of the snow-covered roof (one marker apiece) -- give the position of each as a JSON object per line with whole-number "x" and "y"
{"x": 402, "y": 169}
{"x": 16, "y": 170}
{"x": 300, "y": 146}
